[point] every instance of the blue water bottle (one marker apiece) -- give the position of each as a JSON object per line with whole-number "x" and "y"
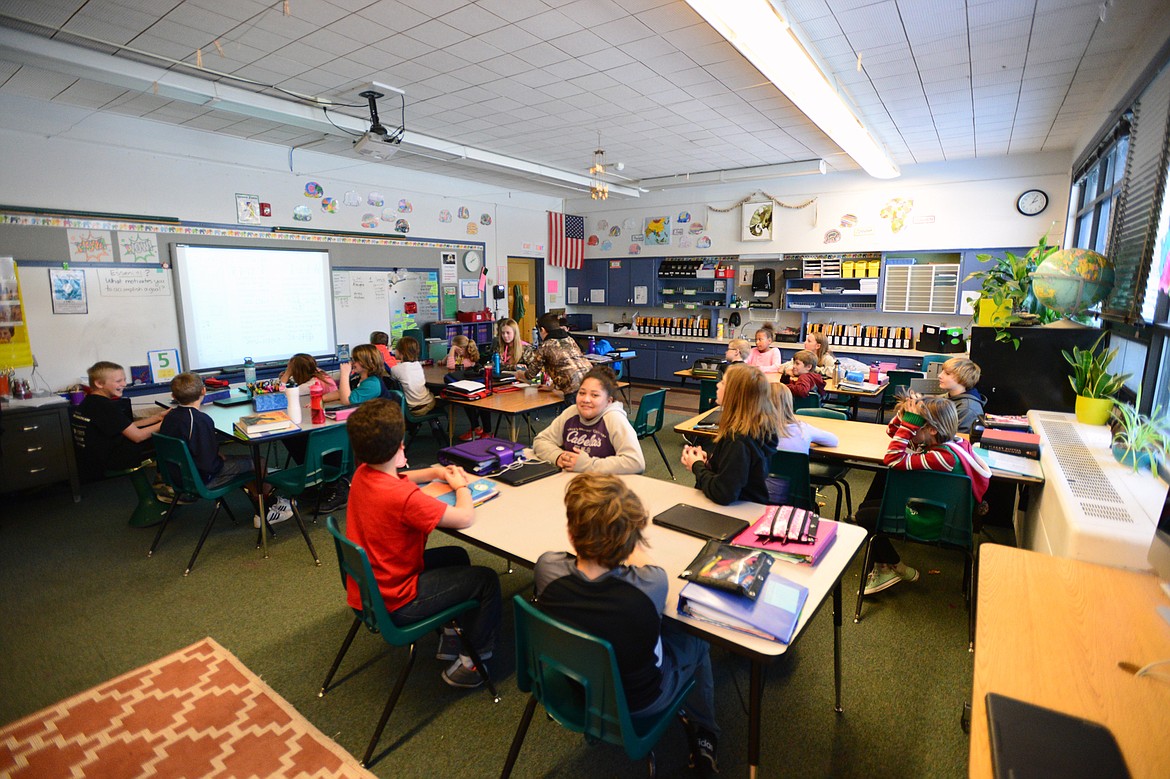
{"x": 496, "y": 363}
{"x": 249, "y": 372}
{"x": 592, "y": 345}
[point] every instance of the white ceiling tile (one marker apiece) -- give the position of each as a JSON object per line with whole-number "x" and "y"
{"x": 473, "y": 20}
{"x": 624, "y": 31}
{"x": 548, "y": 25}
{"x": 390, "y": 14}
{"x": 541, "y": 55}
{"x": 580, "y": 43}
{"x": 436, "y": 34}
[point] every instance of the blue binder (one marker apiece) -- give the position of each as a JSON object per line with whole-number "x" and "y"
{"x": 772, "y": 616}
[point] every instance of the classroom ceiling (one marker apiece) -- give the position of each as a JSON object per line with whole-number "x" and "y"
{"x": 538, "y": 80}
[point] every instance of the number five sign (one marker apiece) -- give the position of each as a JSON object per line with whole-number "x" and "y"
{"x": 164, "y": 365}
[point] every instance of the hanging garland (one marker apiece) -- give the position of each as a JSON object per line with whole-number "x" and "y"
{"x": 773, "y": 198}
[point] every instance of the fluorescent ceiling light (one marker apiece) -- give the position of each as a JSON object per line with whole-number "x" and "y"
{"x": 767, "y": 40}
{"x": 782, "y": 170}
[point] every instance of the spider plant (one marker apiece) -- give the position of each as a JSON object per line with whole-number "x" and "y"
{"x": 1140, "y": 441}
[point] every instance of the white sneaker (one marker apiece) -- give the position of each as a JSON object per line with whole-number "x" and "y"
{"x": 280, "y": 510}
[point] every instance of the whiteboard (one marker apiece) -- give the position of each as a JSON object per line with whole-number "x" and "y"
{"x": 369, "y": 300}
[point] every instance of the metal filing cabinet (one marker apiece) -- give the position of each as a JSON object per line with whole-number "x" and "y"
{"x": 37, "y": 447}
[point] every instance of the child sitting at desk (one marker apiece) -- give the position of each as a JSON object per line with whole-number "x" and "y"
{"x": 409, "y": 375}
{"x": 958, "y": 378}
{"x": 595, "y": 435}
{"x": 923, "y": 437}
{"x": 188, "y": 423}
{"x": 514, "y": 351}
{"x": 795, "y": 434}
{"x": 737, "y": 351}
{"x": 381, "y": 340}
{"x": 464, "y": 356}
{"x": 391, "y": 519}
{"x": 368, "y": 366}
{"x": 765, "y": 356}
{"x": 800, "y": 375}
{"x": 105, "y": 434}
{"x": 737, "y": 468}
{"x": 612, "y": 589}
{"x": 302, "y": 368}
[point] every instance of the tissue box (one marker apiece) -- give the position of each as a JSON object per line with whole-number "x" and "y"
{"x": 270, "y": 401}
{"x": 605, "y": 327}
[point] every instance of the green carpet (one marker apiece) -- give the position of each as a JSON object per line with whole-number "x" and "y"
{"x": 82, "y": 603}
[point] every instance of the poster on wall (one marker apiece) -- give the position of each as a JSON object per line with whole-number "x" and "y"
{"x": 90, "y": 246}
{"x": 138, "y": 247}
{"x": 247, "y": 209}
{"x": 450, "y": 269}
{"x": 756, "y": 221}
{"x": 67, "y": 288}
{"x": 164, "y": 365}
{"x": 656, "y": 231}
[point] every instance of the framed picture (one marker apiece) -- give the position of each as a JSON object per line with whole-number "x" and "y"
{"x": 756, "y": 221}
{"x": 247, "y": 209}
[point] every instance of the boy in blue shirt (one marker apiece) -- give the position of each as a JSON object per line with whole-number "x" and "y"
{"x": 188, "y": 423}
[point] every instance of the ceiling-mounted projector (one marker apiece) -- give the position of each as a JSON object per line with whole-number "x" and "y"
{"x": 376, "y": 146}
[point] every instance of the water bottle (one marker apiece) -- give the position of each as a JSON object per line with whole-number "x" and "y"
{"x": 316, "y": 407}
{"x": 249, "y": 373}
{"x": 487, "y": 377}
{"x": 592, "y": 345}
{"x": 873, "y": 373}
{"x": 496, "y": 363}
{"x": 292, "y": 395}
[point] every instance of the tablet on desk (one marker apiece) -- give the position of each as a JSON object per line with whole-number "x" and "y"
{"x": 702, "y": 523}
{"x": 1032, "y": 741}
{"x": 234, "y": 400}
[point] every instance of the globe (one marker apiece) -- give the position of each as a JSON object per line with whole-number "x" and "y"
{"x": 1071, "y": 281}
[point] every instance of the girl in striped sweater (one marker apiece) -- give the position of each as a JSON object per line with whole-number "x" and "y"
{"x": 923, "y": 437}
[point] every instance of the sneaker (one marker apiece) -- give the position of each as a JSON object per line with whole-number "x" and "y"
{"x": 165, "y": 494}
{"x": 333, "y": 497}
{"x": 883, "y": 577}
{"x": 279, "y": 511}
{"x": 449, "y": 645}
{"x": 706, "y": 746}
{"x": 459, "y": 675}
{"x": 471, "y": 435}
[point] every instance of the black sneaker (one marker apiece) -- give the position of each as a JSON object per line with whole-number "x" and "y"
{"x": 333, "y": 497}
{"x": 704, "y": 756}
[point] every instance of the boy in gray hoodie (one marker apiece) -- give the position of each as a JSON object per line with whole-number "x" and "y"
{"x": 958, "y": 378}
{"x": 594, "y": 435}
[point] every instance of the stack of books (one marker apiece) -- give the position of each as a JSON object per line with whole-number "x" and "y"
{"x": 482, "y": 490}
{"x": 264, "y": 423}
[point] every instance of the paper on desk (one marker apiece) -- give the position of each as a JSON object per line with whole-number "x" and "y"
{"x": 1011, "y": 463}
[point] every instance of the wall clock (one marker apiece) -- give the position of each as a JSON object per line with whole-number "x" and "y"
{"x": 1032, "y": 202}
{"x": 472, "y": 261}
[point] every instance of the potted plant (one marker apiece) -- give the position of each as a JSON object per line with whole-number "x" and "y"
{"x": 1094, "y": 384}
{"x": 1140, "y": 441}
{"x": 1006, "y": 296}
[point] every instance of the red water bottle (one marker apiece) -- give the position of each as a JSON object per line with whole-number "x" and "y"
{"x": 487, "y": 377}
{"x": 873, "y": 373}
{"x": 316, "y": 408}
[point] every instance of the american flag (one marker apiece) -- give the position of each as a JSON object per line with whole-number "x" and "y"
{"x": 566, "y": 240}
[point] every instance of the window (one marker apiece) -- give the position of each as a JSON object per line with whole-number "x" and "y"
{"x": 1095, "y": 194}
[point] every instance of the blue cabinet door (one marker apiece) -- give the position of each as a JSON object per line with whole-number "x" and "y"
{"x": 618, "y": 282}
{"x": 595, "y": 282}
{"x": 643, "y": 282}
{"x": 576, "y": 292}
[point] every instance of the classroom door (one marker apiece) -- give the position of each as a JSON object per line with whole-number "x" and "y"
{"x": 522, "y": 275}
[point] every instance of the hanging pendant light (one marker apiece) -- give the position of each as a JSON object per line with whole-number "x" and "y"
{"x": 598, "y": 189}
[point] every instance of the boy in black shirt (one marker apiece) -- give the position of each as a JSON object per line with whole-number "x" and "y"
{"x": 612, "y": 589}
{"x": 106, "y": 436}
{"x": 190, "y": 424}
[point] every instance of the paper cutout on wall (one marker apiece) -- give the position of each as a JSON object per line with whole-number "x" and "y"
{"x": 695, "y": 228}
{"x": 137, "y": 247}
{"x": 615, "y": 231}
{"x": 606, "y": 246}
{"x": 313, "y": 189}
{"x": 677, "y": 231}
{"x": 832, "y": 236}
{"x": 352, "y": 198}
{"x": 404, "y": 206}
{"x": 302, "y": 214}
{"x": 684, "y": 242}
{"x": 376, "y": 199}
{"x": 369, "y": 221}
{"x": 464, "y": 213}
{"x": 683, "y": 217}
{"x": 90, "y": 246}
{"x": 401, "y": 226}
{"x": 444, "y": 216}
{"x": 329, "y": 205}
{"x": 703, "y": 243}
{"x": 485, "y": 219}
{"x": 389, "y": 214}
{"x": 635, "y": 248}
{"x": 592, "y": 241}
{"x": 472, "y": 228}
{"x": 638, "y": 237}
{"x": 657, "y": 231}
{"x": 848, "y": 220}
{"x": 896, "y": 210}
{"x": 602, "y": 225}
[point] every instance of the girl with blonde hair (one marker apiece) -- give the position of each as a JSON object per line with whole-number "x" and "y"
{"x": 737, "y": 468}
{"x": 795, "y": 435}
{"x": 513, "y": 350}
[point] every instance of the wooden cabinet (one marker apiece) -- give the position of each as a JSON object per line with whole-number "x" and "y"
{"x": 37, "y": 447}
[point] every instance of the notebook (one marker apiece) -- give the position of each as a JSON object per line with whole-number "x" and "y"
{"x": 711, "y": 421}
{"x": 528, "y": 472}
{"x": 695, "y": 521}
{"x": 773, "y": 615}
{"x": 1032, "y": 741}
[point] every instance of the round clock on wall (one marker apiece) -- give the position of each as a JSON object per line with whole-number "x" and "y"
{"x": 1032, "y": 202}
{"x": 472, "y": 261}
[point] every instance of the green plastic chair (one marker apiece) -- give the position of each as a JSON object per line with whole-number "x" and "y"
{"x": 829, "y": 474}
{"x": 417, "y": 334}
{"x": 177, "y": 468}
{"x": 434, "y": 417}
{"x": 945, "y": 496}
{"x": 823, "y": 413}
{"x": 327, "y": 459}
{"x": 149, "y": 510}
{"x": 707, "y": 392}
{"x": 575, "y": 676}
{"x": 354, "y": 564}
{"x": 651, "y": 415}
{"x": 788, "y": 480}
{"x": 812, "y": 400}
{"x": 897, "y": 378}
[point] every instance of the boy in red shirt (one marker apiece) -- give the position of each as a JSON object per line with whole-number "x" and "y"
{"x": 391, "y": 518}
{"x": 800, "y": 375}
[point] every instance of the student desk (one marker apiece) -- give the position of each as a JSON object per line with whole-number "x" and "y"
{"x": 524, "y": 522}
{"x": 862, "y": 444}
{"x": 225, "y": 418}
{"x": 1051, "y": 631}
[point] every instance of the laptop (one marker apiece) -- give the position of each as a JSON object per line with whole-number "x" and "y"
{"x": 926, "y": 386}
{"x": 695, "y": 521}
{"x": 234, "y": 400}
{"x": 528, "y": 472}
{"x": 1032, "y": 741}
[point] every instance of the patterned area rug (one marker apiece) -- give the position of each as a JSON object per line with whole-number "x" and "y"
{"x": 196, "y": 713}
